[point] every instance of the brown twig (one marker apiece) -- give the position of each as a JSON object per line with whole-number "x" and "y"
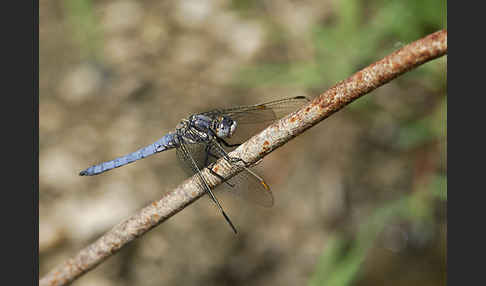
{"x": 277, "y": 134}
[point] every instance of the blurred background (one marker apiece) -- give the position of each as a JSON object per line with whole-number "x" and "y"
{"x": 360, "y": 199}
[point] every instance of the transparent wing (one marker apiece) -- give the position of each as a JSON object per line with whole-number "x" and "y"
{"x": 247, "y": 184}
{"x": 185, "y": 154}
{"x": 253, "y": 118}
{"x": 188, "y": 152}
{"x": 263, "y": 112}
{"x": 250, "y": 186}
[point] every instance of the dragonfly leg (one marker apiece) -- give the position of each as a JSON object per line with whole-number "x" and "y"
{"x": 205, "y": 185}
{"x": 229, "y": 145}
{"x": 235, "y": 160}
{"x": 223, "y": 152}
{"x": 210, "y": 167}
{"x": 219, "y": 176}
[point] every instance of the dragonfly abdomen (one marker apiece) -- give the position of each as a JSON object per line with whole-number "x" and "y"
{"x": 164, "y": 143}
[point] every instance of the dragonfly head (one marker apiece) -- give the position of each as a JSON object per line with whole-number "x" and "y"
{"x": 225, "y": 127}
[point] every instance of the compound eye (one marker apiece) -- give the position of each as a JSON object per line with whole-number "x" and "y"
{"x": 232, "y": 128}
{"x": 221, "y": 131}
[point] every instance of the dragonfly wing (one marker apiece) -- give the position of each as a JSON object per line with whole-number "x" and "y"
{"x": 245, "y": 132}
{"x": 253, "y": 118}
{"x": 247, "y": 184}
{"x": 250, "y": 186}
{"x": 192, "y": 152}
{"x": 265, "y": 112}
{"x": 185, "y": 154}
{"x": 191, "y": 158}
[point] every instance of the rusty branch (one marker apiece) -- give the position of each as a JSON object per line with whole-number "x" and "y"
{"x": 277, "y": 134}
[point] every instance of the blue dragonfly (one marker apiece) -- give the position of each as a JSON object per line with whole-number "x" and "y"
{"x": 203, "y": 138}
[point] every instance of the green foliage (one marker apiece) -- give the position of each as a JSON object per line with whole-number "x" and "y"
{"x": 342, "y": 258}
{"x": 361, "y": 33}
{"x": 84, "y": 26}
{"x": 423, "y": 130}
{"x": 336, "y": 268}
{"x": 439, "y": 187}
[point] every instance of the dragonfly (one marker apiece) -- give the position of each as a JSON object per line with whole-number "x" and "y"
{"x": 203, "y": 138}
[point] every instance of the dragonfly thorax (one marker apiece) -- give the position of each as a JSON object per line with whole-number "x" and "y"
{"x": 221, "y": 126}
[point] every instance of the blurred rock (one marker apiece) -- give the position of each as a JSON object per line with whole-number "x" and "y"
{"x": 244, "y": 38}
{"x": 86, "y": 217}
{"x": 57, "y": 169}
{"x": 81, "y": 82}
{"x": 193, "y": 13}
{"x": 121, "y": 16}
{"x": 51, "y": 235}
